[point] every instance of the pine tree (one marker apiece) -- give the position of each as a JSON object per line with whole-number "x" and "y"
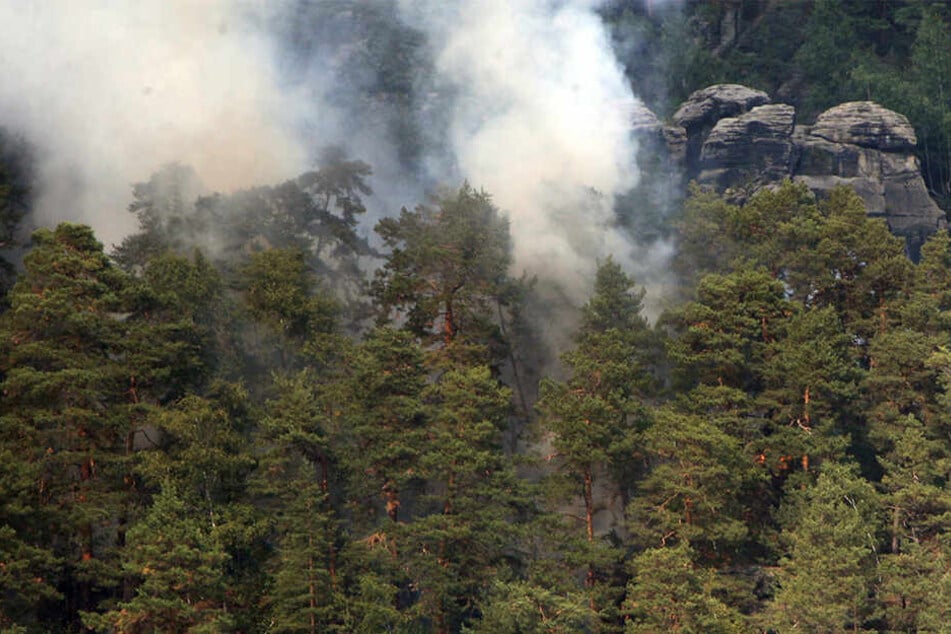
{"x": 466, "y": 530}
{"x": 176, "y": 554}
{"x": 726, "y": 331}
{"x": 447, "y": 272}
{"x": 388, "y": 421}
{"x": 669, "y": 592}
{"x": 864, "y": 271}
{"x": 66, "y": 413}
{"x": 831, "y": 530}
{"x": 298, "y": 319}
{"x": 520, "y": 607}
{"x": 202, "y": 449}
{"x": 810, "y": 382}
{"x": 28, "y": 567}
{"x": 691, "y": 492}
{"x": 295, "y": 485}
{"x": 593, "y": 419}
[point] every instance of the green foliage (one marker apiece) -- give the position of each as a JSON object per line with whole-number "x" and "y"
{"x": 16, "y": 198}
{"x": 279, "y": 293}
{"x": 364, "y": 486}
{"x": 388, "y": 423}
{"x": 165, "y": 211}
{"x": 175, "y": 553}
{"x": 523, "y": 608}
{"x": 66, "y": 410}
{"x": 831, "y": 533}
{"x": 447, "y": 272}
{"x": 915, "y": 588}
{"x": 466, "y": 538}
{"x": 315, "y": 215}
{"x": 691, "y": 492}
{"x": 593, "y": 419}
{"x": 670, "y": 592}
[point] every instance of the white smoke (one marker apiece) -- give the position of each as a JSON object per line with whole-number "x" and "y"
{"x": 541, "y": 122}
{"x": 109, "y": 90}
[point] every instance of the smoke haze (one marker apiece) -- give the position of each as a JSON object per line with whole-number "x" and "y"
{"x": 523, "y": 98}
{"x": 540, "y": 121}
{"x": 108, "y": 91}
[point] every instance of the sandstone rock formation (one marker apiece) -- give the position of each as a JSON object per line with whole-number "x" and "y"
{"x": 756, "y": 145}
{"x": 704, "y": 108}
{"x": 866, "y": 124}
{"x": 707, "y": 106}
{"x": 737, "y": 142}
{"x": 869, "y": 148}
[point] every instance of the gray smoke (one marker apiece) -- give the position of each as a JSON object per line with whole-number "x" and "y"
{"x": 541, "y": 122}
{"x": 523, "y": 98}
{"x": 109, "y": 91}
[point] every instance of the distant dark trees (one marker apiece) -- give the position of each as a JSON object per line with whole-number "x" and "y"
{"x": 16, "y": 198}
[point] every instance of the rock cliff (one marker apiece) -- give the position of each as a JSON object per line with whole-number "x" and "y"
{"x": 734, "y": 139}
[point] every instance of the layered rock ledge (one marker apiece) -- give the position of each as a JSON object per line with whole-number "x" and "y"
{"x": 734, "y": 139}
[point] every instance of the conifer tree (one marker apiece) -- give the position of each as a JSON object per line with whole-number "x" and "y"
{"x": 446, "y": 276}
{"x": 521, "y": 607}
{"x": 66, "y": 412}
{"x": 669, "y": 592}
{"x": 831, "y": 530}
{"x": 388, "y": 428}
{"x": 466, "y": 531}
{"x": 595, "y": 416}
{"x": 176, "y": 554}
{"x": 691, "y": 491}
{"x": 296, "y": 316}
{"x": 810, "y": 382}
{"x": 295, "y": 484}
{"x": 202, "y": 449}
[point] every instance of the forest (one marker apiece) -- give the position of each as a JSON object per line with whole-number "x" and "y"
{"x": 277, "y": 409}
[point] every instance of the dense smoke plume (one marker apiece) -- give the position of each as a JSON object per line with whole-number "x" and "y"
{"x": 522, "y": 98}
{"x": 109, "y": 91}
{"x": 540, "y": 120}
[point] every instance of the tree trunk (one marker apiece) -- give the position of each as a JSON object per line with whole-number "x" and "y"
{"x": 896, "y": 521}
{"x": 588, "y": 504}
{"x": 449, "y": 327}
{"x": 311, "y": 586}
{"x": 589, "y": 527}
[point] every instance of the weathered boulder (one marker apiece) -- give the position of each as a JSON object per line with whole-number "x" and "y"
{"x": 642, "y": 119}
{"x": 866, "y": 124}
{"x": 704, "y": 108}
{"x": 869, "y": 148}
{"x": 707, "y": 106}
{"x": 754, "y": 146}
{"x": 738, "y": 142}
{"x": 669, "y": 140}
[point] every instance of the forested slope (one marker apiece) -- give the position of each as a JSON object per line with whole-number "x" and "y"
{"x": 253, "y": 416}
{"x": 195, "y": 443}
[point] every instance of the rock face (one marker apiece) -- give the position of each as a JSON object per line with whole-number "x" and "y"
{"x": 707, "y": 106}
{"x": 866, "y": 124}
{"x": 732, "y": 138}
{"x": 869, "y": 148}
{"x": 756, "y": 144}
{"x": 704, "y": 108}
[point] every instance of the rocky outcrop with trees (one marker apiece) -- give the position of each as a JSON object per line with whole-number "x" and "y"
{"x": 733, "y": 139}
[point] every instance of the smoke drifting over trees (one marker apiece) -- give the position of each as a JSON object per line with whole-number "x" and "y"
{"x": 109, "y": 92}
{"x": 523, "y": 99}
{"x": 309, "y": 386}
